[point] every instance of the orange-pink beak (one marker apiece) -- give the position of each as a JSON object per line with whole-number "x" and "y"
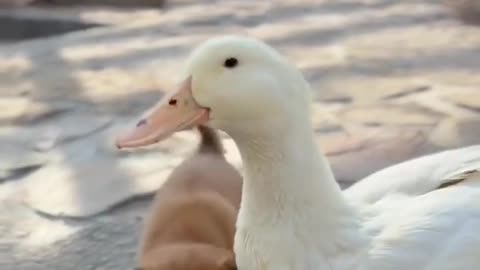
{"x": 177, "y": 111}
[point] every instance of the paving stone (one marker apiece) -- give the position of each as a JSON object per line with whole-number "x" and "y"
{"x": 469, "y": 100}
{"x": 22, "y": 110}
{"x": 354, "y": 157}
{"x": 386, "y": 114}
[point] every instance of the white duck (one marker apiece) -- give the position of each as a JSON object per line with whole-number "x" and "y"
{"x": 423, "y": 214}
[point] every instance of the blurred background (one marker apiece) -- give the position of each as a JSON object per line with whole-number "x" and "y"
{"x": 393, "y": 79}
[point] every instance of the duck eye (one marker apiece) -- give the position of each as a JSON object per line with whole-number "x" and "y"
{"x": 141, "y": 123}
{"x": 231, "y": 62}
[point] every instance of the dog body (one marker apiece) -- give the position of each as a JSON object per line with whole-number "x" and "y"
{"x": 192, "y": 221}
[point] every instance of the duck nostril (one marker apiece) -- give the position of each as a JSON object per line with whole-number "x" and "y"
{"x": 141, "y": 123}
{"x": 172, "y": 102}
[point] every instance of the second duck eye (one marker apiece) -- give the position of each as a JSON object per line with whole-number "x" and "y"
{"x": 230, "y": 62}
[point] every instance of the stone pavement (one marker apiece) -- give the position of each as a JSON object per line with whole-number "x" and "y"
{"x": 393, "y": 79}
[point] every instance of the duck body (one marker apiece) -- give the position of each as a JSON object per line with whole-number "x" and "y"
{"x": 316, "y": 226}
{"x": 435, "y": 230}
{"x": 422, "y": 214}
{"x": 191, "y": 223}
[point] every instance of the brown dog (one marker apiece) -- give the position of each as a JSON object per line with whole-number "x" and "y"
{"x": 192, "y": 222}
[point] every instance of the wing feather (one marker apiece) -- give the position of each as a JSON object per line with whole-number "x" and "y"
{"x": 418, "y": 176}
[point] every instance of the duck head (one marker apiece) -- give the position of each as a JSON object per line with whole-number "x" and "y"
{"x": 236, "y": 84}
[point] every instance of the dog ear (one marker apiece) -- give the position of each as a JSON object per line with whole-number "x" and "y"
{"x": 227, "y": 262}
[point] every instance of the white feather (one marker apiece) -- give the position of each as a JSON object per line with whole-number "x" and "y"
{"x": 417, "y": 176}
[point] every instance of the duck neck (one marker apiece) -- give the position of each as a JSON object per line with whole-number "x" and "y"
{"x": 289, "y": 183}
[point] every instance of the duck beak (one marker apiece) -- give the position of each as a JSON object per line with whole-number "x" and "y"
{"x": 177, "y": 111}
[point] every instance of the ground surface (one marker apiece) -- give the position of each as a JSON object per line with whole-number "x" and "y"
{"x": 394, "y": 80}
